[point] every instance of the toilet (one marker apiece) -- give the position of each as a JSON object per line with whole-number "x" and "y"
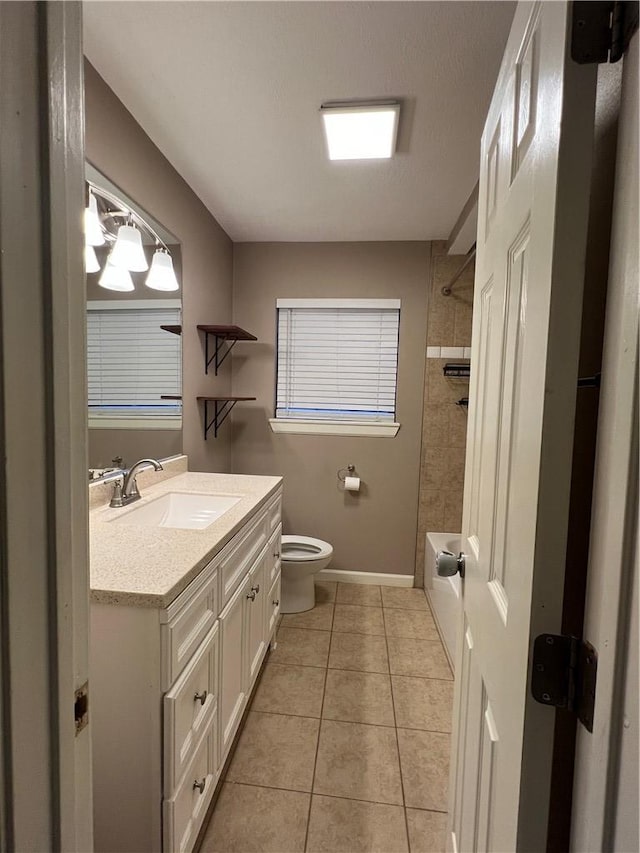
{"x": 302, "y": 557}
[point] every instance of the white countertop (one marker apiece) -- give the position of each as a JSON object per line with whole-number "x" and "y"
{"x": 149, "y": 566}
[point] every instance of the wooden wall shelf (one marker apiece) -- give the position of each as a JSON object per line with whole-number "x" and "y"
{"x": 171, "y": 396}
{"x": 222, "y": 334}
{"x": 221, "y": 409}
{"x": 175, "y": 330}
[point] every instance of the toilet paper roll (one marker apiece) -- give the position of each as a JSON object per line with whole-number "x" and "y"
{"x": 352, "y": 484}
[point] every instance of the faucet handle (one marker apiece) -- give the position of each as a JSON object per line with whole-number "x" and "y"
{"x": 116, "y": 498}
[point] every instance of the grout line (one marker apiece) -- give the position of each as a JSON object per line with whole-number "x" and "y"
{"x": 315, "y": 760}
{"x": 332, "y": 796}
{"x": 395, "y": 728}
{"x": 374, "y": 672}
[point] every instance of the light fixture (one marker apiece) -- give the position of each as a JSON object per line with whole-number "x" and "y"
{"x": 115, "y": 278}
{"x": 161, "y": 275}
{"x": 90, "y": 260}
{"x": 93, "y": 235}
{"x": 362, "y": 131}
{"x": 127, "y": 252}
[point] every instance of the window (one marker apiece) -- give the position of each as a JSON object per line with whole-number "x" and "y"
{"x": 132, "y": 363}
{"x": 337, "y": 366}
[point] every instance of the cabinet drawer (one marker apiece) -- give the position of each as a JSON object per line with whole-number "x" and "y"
{"x": 183, "y": 814}
{"x": 238, "y": 557}
{"x": 273, "y": 555}
{"x": 272, "y": 605}
{"x": 185, "y": 630}
{"x": 189, "y": 708}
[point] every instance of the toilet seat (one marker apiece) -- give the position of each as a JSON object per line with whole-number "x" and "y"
{"x": 303, "y": 549}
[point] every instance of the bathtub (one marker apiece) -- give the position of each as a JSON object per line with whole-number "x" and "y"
{"x": 443, "y": 593}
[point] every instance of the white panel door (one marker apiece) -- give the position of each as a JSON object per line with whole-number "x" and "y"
{"x": 533, "y": 206}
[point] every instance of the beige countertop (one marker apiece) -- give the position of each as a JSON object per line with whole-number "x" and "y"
{"x": 149, "y": 566}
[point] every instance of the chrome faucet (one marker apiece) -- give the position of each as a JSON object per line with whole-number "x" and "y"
{"x": 125, "y": 490}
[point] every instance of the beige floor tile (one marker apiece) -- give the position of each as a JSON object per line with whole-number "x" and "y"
{"x": 358, "y": 652}
{"x": 406, "y": 598}
{"x": 287, "y": 689}
{"x": 248, "y": 819}
{"x": 325, "y": 591}
{"x": 427, "y": 831}
{"x": 423, "y": 703}
{"x": 276, "y": 751}
{"x": 348, "y": 826}
{"x": 424, "y": 758}
{"x": 318, "y": 618}
{"x": 355, "y": 619}
{"x": 359, "y": 761}
{"x": 421, "y": 658}
{"x": 358, "y": 697}
{"x": 410, "y": 624}
{"x": 301, "y": 646}
{"x": 359, "y": 593}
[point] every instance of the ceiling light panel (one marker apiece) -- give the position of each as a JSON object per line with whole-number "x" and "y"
{"x": 361, "y": 132}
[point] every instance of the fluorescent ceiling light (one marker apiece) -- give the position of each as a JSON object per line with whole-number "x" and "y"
{"x": 360, "y": 131}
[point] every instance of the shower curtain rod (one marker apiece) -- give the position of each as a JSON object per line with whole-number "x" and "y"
{"x": 447, "y": 290}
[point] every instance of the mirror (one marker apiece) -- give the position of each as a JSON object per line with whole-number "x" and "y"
{"x": 134, "y": 366}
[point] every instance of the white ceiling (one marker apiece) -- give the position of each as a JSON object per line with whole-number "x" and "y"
{"x": 230, "y": 92}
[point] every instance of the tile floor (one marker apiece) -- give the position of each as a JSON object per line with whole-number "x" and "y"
{"x": 346, "y": 745}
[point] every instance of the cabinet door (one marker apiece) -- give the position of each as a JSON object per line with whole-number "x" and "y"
{"x": 274, "y": 547}
{"x": 234, "y": 677}
{"x": 254, "y": 602}
{"x": 272, "y": 608}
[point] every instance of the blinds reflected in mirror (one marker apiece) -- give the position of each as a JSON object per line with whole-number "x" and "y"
{"x": 131, "y": 361}
{"x": 337, "y": 359}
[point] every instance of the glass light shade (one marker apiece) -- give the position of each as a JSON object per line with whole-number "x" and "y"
{"x": 127, "y": 252}
{"x": 361, "y": 132}
{"x": 90, "y": 260}
{"x": 115, "y": 278}
{"x": 161, "y": 275}
{"x": 93, "y": 235}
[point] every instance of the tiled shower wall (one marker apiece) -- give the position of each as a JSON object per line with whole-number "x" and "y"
{"x": 444, "y": 425}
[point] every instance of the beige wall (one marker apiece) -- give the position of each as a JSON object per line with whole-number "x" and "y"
{"x": 132, "y": 444}
{"x": 444, "y": 423}
{"x": 374, "y": 531}
{"x": 119, "y": 148}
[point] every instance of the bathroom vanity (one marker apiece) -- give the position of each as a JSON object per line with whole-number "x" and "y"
{"x": 181, "y": 619}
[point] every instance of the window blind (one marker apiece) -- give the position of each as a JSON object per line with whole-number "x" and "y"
{"x": 338, "y": 363}
{"x": 131, "y": 361}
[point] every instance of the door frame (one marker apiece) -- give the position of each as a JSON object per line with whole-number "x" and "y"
{"x": 44, "y": 565}
{"x": 614, "y": 522}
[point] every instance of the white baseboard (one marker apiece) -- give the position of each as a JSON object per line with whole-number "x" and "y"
{"x": 364, "y": 577}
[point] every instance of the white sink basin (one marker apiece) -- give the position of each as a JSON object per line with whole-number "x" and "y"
{"x": 179, "y": 509}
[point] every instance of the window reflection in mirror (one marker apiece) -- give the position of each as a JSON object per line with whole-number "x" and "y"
{"x": 134, "y": 367}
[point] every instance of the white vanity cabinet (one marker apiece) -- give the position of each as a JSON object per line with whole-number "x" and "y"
{"x": 169, "y": 686}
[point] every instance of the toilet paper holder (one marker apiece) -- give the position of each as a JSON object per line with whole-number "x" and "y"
{"x": 343, "y": 473}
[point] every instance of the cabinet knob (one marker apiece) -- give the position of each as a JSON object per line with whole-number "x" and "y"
{"x": 200, "y": 785}
{"x": 277, "y": 554}
{"x": 255, "y": 588}
{"x": 276, "y": 603}
{"x": 200, "y": 697}
{"x": 252, "y": 595}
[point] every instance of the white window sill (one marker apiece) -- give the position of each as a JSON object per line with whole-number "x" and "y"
{"x": 131, "y": 422}
{"x": 310, "y": 427}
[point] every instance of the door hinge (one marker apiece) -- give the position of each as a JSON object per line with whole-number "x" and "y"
{"x": 81, "y": 707}
{"x": 601, "y": 31}
{"x": 564, "y": 675}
